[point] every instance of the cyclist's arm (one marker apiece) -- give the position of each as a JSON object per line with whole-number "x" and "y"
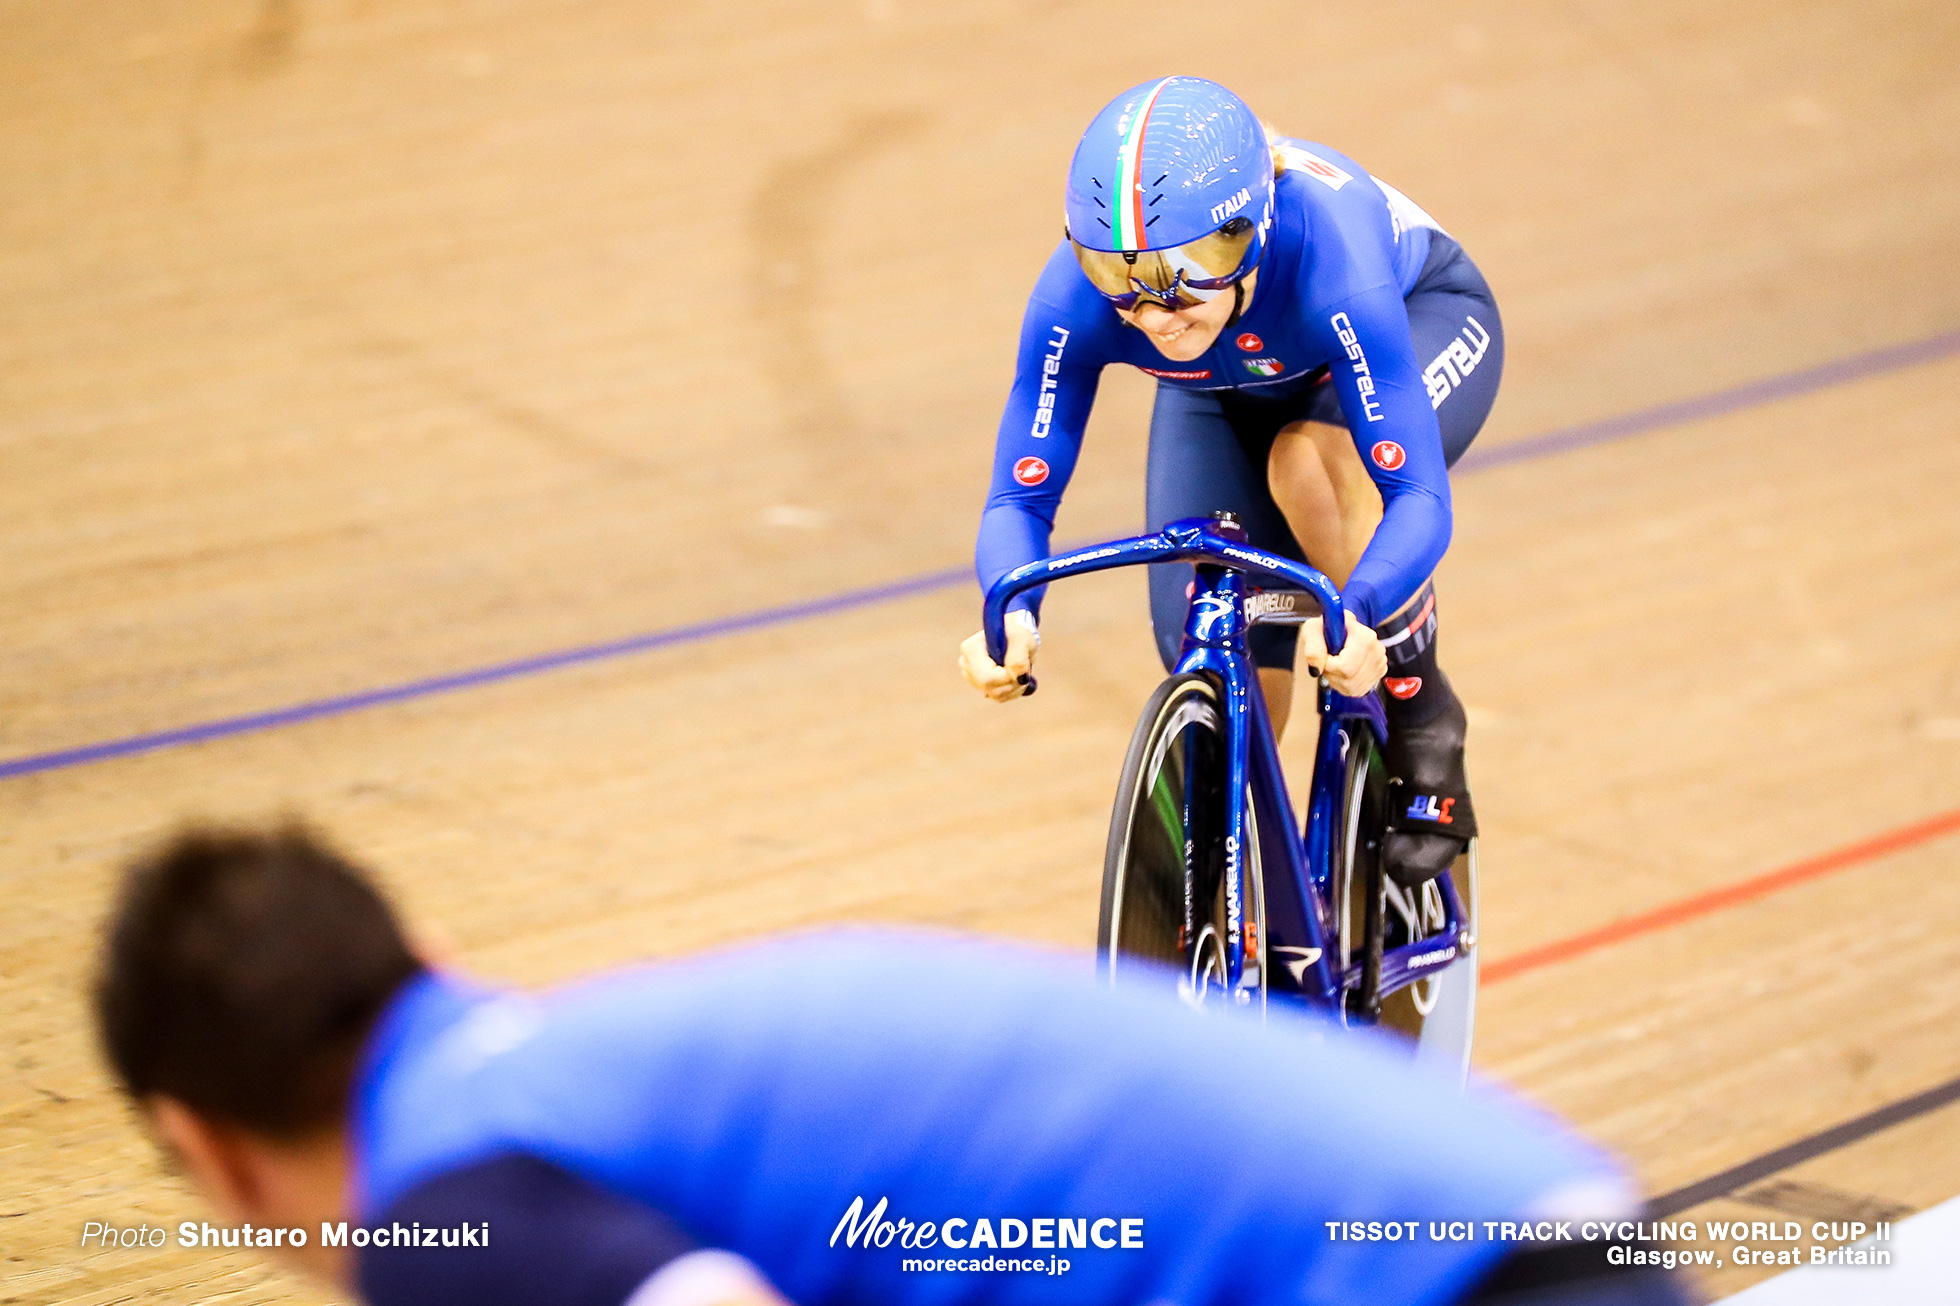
{"x": 546, "y": 1237}
{"x": 1388, "y": 411}
{"x": 1055, "y": 378}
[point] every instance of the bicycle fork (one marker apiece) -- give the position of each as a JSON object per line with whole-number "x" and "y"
{"x": 1217, "y": 622}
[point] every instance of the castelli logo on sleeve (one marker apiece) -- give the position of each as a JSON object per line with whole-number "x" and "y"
{"x": 1051, "y": 371}
{"x": 1250, "y": 343}
{"x": 1364, "y": 378}
{"x": 1031, "y": 471}
{"x": 1388, "y": 455}
{"x": 1404, "y": 686}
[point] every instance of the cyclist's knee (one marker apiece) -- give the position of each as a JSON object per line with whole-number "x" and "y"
{"x": 1330, "y": 502}
{"x": 1170, "y": 595}
{"x": 1169, "y": 644}
{"x": 1297, "y": 471}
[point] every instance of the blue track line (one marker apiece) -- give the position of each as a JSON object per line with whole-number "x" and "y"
{"x": 488, "y": 675}
{"x": 1769, "y": 390}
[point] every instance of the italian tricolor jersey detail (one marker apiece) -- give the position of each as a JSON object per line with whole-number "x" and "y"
{"x": 1127, "y": 206}
{"x": 1264, "y": 366}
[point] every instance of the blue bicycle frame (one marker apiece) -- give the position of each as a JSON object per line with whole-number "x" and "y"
{"x": 1298, "y": 865}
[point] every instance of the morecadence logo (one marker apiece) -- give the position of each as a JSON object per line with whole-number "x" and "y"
{"x": 871, "y": 1229}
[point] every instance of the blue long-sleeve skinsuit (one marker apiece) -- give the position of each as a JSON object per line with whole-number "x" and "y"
{"x": 1364, "y": 313}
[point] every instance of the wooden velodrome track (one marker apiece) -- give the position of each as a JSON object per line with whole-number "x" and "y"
{"x": 347, "y": 343}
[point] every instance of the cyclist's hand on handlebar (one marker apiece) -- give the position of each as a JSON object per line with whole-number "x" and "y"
{"x": 1357, "y": 668}
{"x": 1002, "y": 682}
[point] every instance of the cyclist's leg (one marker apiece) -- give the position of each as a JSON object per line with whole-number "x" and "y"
{"x": 1204, "y": 460}
{"x": 1455, "y": 326}
{"x": 1334, "y": 509}
{"x": 1317, "y": 478}
{"x": 1454, "y": 323}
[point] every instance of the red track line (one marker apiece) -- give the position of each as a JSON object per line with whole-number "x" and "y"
{"x": 1715, "y": 900}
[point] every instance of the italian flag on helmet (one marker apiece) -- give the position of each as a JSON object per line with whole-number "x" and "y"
{"x": 1165, "y": 163}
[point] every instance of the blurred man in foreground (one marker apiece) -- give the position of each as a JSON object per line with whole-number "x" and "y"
{"x": 842, "y": 1117}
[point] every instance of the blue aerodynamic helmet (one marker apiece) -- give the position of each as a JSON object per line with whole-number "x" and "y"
{"x": 1170, "y": 194}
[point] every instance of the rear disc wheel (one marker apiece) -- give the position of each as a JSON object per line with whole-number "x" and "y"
{"x": 1438, "y": 1011}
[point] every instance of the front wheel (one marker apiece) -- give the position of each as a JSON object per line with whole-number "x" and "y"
{"x": 1164, "y": 884}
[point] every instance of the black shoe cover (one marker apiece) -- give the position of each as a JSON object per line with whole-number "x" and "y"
{"x": 1430, "y": 819}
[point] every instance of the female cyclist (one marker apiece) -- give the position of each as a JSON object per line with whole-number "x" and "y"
{"x": 1323, "y": 353}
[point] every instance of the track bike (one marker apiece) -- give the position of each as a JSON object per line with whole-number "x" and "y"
{"x": 1210, "y": 873}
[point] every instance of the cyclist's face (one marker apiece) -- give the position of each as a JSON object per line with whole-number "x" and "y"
{"x": 1187, "y": 333}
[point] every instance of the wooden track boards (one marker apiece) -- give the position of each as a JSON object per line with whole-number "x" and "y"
{"x": 348, "y": 342}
